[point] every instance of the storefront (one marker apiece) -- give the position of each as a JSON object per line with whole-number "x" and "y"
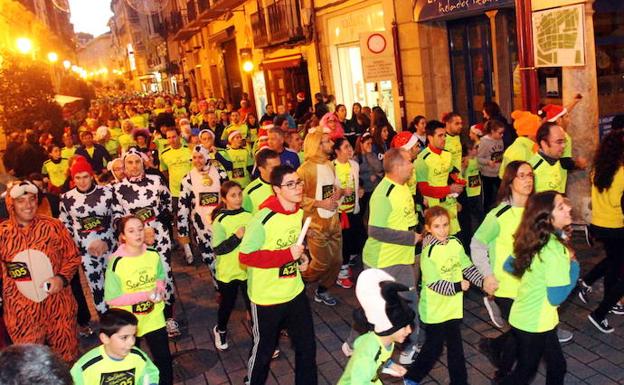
{"x": 342, "y": 37}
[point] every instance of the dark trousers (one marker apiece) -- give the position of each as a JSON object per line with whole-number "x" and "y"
{"x": 611, "y": 266}
{"x": 489, "y": 186}
{"x": 437, "y": 335}
{"x": 532, "y": 347}
{"x": 296, "y": 317}
{"x": 504, "y": 346}
{"x": 229, "y": 293}
{"x": 470, "y": 217}
{"x": 84, "y": 316}
{"x": 158, "y": 344}
{"x": 352, "y": 238}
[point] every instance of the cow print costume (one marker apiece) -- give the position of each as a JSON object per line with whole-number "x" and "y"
{"x": 149, "y": 199}
{"x": 199, "y": 196}
{"x": 87, "y": 216}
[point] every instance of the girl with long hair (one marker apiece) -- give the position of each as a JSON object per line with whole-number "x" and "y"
{"x": 228, "y": 227}
{"x": 548, "y": 270}
{"x": 491, "y": 244}
{"x": 446, "y": 273}
{"x": 348, "y": 174}
{"x": 607, "y": 226}
{"x": 135, "y": 282}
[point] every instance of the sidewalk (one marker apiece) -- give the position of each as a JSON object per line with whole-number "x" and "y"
{"x": 592, "y": 357}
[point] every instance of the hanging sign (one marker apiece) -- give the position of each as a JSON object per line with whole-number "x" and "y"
{"x": 377, "y": 50}
{"x": 428, "y": 10}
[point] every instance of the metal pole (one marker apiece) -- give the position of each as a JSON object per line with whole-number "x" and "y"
{"x": 399, "y": 74}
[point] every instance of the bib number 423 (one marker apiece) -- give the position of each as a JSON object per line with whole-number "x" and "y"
{"x": 288, "y": 270}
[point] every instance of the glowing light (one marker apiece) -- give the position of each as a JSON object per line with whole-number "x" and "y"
{"x": 67, "y": 64}
{"x": 24, "y": 45}
{"x": 52, "y": 57}
{"x": 248, "y": 66}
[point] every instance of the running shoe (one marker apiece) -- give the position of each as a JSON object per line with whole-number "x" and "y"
{"x": 407, "y": 381}
{"x": 276, "y": 354}
{"x": 408, "y": 355}
{"x": 345, "y": 282}
{"x": 600, "y": 324}
{"x": 584, "y": 291}
{"x": 325, "y": 298}
{"x": 346, "y": 349}
{"x": 173, "y": 328}
{"x": 564, "y": 335}
{"x": 494, "y": 312}
{"x": 220, "y": 339}
{"x": 618, "y": 309}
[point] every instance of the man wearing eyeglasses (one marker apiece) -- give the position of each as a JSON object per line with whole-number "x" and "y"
{"x": 549, "y": 174}
{"x": 274, "y": 263}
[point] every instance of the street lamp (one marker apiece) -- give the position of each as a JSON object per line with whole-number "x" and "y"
{"x": 66, "y": 64}
{"x": 52, "y": 57}
{"x": 24, "y": 45}
{"x": 248, "y": 66}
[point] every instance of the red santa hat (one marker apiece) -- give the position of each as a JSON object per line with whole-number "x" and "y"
{"x": 300, "y": 96}
{"x": 80, "y": 165}
{"x": 552, "y": 112}
{"x": 404, "y": 139}
{"x": 477, "y": 129}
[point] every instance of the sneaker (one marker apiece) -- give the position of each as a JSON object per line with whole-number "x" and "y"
{"x": 346, "y": 349}
{"x": 618, "y": 309}
{"x": 324, "y": 298}
{"x": 407, "y": 356}
{"x": 220, "y": 339}
{"x": 584, "y": 291}
{"x": 276, "y": 354}
{"x": 564, "y": 335}
{"x": 494, "y": 312}
{"x": 85, "y": 331}
{"x": 602, "y": 325}
{"x": 407, "y": 381}
{"x": 173, "y": 329}
{"x": 344, "y": 283}
{"x": 485, "y": 347}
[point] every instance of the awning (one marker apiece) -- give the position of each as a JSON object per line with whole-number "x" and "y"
{"x": 282, "y": 62}
{"x": 64, "y": 99}
{"x": 437, "y": 10}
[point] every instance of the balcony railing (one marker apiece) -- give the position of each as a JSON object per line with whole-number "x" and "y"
{"x": 258, "y": 29}
{"x": 284, "y": 21}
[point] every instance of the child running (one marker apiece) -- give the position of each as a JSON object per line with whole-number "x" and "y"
{"x": 229, "y": 221}
{"x": 446, "y": 272}
{"x": 117, "y": 360}
{"x": 135, "y": 282}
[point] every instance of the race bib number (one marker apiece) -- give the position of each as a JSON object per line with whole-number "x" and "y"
{"x": 208, "y": 198}
{"x": 497, "y": 156}
{"x": 328, "y": 191}
{"x": 124, "y": 377}
{"x": 288, "y": 270}
{"x": 91, "y": 224}
{"x": 145, "y": 214}
{"x": 474, "y": 181}
{"x": 238, "y": 172}
{"x": 18, "y": 271}
{"x": 143, "y": 307}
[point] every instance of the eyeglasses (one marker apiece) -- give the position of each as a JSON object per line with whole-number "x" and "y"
{"x": 522, "y": 175}
{"x": 293, "y": 184}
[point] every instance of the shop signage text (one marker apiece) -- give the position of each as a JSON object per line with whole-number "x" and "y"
{"x": 451, "y": 9}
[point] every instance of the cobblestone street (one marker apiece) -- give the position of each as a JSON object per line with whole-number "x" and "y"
{"x": 592, "y": 357}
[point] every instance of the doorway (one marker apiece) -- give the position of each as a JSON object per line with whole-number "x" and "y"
{"x": 471, "y": 66}
{"x": 233, "y": 82}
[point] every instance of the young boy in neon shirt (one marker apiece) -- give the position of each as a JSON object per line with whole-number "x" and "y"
{"x": 391, "y": 318}
{"x": 117, "y": 360}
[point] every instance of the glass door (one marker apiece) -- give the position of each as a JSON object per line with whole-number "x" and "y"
{"x": 471, "y": 66}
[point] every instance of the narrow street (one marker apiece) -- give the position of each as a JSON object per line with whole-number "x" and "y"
{"x": 592, "y": 357}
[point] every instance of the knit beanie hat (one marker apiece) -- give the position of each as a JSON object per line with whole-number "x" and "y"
{"x": 80, "y": 165}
